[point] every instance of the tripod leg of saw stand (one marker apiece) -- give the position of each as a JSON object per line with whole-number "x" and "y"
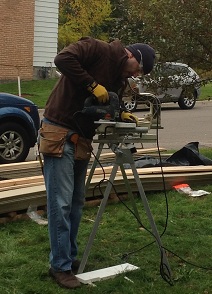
{"x": 129, "y": 191}
{"x": 165, "y": 262}
{"x": 98, "y": 219}
{"x": 93, "y": 166}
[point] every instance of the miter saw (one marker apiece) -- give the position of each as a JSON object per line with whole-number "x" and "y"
{"x": 109, "y": 126}
{"x": 107, "y": 111}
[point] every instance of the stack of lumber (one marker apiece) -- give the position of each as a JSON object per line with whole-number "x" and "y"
{"x": 20, "y": 170}
{"x": 33, "y": 168}
{"x": 22, "y": 184}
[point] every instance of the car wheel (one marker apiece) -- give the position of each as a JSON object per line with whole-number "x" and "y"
{"x": 14, "y": 143}
{"x": 130, "y": 102}
{"x": 187, "y": 100}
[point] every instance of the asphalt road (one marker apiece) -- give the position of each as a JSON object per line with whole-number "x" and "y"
{"x": 183, "y": 126}
{"x": 179, "y": 126}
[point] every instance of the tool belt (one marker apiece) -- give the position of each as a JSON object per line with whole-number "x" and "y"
{"x": 83, "y": 149}
{"x": 52, "y": 139}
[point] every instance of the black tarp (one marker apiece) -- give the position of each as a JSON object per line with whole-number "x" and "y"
{"x": 188, "y": 155}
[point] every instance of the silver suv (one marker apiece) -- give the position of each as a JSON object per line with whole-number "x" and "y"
{"x": 170, "y": 82}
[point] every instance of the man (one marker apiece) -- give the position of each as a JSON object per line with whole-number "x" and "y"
{"x": 88, "y": 66}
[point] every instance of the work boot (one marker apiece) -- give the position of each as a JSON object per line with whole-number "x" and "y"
{"x": 65, "y": 279}
{"x": 75, "y": 266}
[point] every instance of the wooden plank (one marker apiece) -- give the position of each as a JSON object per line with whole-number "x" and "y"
{"x": 14, "y": 193}
{"x": 155, "y": 170}
{"x": 98, "y": 175}
{"x": 17, "y": 166}
{"x": 20, "y": 181}
{"x": 140, "y": 151}
{"x": 20, "y": 170}
{"x": 21, "y": 186}
{"x": 173, "y": 169}
{"x": 20, "y": 199}
{"x": 105, "y": 273}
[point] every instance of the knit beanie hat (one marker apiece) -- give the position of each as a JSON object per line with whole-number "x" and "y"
{"x": 148, "y": 55}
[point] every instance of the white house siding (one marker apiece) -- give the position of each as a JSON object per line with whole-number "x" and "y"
{"x": 45, "y": 33}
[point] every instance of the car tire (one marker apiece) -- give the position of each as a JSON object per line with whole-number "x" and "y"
{"x": 14, "y": 143}
{"x": 130, "y": 103}
{"x": 187, "y": 101}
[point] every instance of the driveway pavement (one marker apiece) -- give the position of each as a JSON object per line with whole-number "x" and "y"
{"x": 183, "y": 126}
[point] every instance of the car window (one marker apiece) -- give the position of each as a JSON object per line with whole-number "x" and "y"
{"x": 167, "y": 69}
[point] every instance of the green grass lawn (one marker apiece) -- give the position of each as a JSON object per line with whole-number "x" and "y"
{"x": 39, "y": 90}
{"x": 24, "y": 249}
{"x": 206, "y": 92}
{"x": 36, "y": 91}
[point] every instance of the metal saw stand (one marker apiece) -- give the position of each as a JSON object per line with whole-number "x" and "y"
{"x": 122, "y": 155}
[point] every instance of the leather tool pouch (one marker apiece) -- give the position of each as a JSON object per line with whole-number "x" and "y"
{"x": 52, "y": 139}
{"x": 83, "y": 149}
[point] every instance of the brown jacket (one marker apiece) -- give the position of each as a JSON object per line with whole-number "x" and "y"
{"x": 82, "y": 63}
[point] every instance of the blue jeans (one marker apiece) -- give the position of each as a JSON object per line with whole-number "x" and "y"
{"x": 65, "y": 188}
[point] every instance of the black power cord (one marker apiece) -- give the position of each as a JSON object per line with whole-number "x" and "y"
{"x": 157, "y": 102}
{"x": 164, "y": 271}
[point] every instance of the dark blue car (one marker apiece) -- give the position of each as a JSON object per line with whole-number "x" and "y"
{"x": 19, "y": 124}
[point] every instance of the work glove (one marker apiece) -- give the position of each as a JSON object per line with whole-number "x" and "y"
{"x": 127, "y": 116}
{"x": 99, "y": 91}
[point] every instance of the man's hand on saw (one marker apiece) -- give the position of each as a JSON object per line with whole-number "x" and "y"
{"x": 99, "y": 91}
{"x": 127, "y": 116}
